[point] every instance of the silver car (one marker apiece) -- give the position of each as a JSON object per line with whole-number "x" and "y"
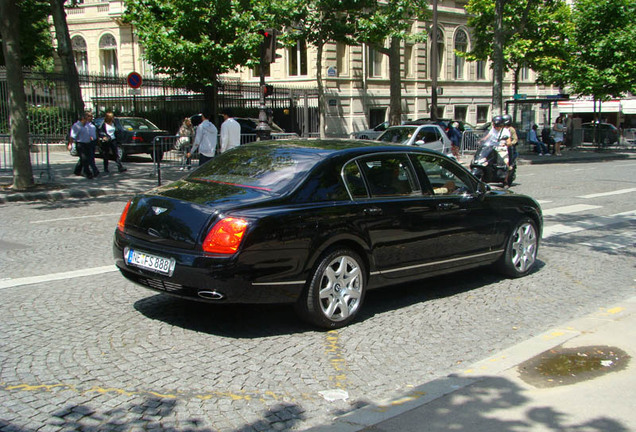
{"x": 430, "y": 136}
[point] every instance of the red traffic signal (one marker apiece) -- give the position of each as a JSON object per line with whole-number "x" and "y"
{"x": 268, "y": 46}
{"x": 268, "y": 90}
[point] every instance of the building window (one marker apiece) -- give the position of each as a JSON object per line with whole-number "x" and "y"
{"x": 342, "y": 59}
{"x": 375, "y": 63}
{"x": 80, "y": 53}
{"x": 461, "y": 46}
{"x": 108, "y": 54}
{"x": 408, "y": 60}
{"x": 440, "y": 53}
{"x": 298, "y": 59}
{"x": 481, "y": 70}
{"x": 482, "y": 113}
{"x": 524, "y": 73}
{"x": 460, "y": 113}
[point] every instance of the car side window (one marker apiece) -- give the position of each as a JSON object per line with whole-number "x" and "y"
{"x": 427, "y": 135}
{"x": 389, "y": 175}
{"x": 353, "y": 180}
{"x": 444, "y": 177}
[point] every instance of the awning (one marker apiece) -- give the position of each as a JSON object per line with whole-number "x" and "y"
{"x": 573, "y": 107}
{"x": 629, "y": 106}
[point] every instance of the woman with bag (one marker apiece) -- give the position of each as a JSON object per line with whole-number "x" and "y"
{"x": 108, "y": 141}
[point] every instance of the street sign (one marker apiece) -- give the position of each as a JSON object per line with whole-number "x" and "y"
{"x": 519, "y": 96}
{"x": 134, "y": 80}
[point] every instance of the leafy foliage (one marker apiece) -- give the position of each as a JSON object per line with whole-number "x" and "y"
{"x": 194, "y": 41}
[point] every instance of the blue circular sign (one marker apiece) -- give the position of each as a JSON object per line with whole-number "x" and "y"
{"x": 134, "y": 80}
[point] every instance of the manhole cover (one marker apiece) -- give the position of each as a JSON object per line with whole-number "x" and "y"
{"x": 564, "y": 366}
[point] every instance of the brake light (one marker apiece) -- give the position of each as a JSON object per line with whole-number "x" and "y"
{"x": 122, "y": 218}
{"x": 138, "y": 139}
{"x": 225, "y": 236}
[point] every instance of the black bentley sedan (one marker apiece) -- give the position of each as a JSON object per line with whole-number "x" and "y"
{"x": 318, "y": 223}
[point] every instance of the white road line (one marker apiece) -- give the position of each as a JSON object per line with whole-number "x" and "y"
{"x": 76, "y": 217}
{"x": 10, "y": 283}
{"x": 569, "y": 209}
{"x": 603, "y": 194}
{"x": 543, "y": 202}
{"x": 597, "y": 222}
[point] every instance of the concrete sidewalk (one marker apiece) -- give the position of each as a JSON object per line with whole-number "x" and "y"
{"x": 495, "y": 394}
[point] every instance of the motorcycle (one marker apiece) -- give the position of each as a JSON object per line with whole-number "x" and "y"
{"x": 488, "y": 165}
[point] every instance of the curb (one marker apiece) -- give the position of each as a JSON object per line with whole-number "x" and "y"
{"x": 497, "y": 364}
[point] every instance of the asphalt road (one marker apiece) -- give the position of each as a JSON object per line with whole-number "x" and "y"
{"x": 83, "y": 349}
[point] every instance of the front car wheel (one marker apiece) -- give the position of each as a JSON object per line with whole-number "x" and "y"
{"x": 521, "y": 250}
{"x": 336, "y": 290}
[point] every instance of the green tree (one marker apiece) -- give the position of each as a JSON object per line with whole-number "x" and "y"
{"x": 603, "y": 49}
{"x": 533, "y": 33}
{"x": 35, "y": 35}
{"x": 394, "y": 20}
{"x": 195, "y": 41}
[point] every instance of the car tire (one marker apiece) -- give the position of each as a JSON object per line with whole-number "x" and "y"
{"x": 335, "y": 292}
{"x": 520, "y": 255}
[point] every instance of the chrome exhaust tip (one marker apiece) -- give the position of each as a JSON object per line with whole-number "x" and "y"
{"x": 211, "y": 295}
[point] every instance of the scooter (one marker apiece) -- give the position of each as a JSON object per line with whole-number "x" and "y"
{"x": 488, "y": 166}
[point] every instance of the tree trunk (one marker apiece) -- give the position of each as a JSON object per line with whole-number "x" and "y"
{"x": 321, "y": 91}
{"x": 65, "y": 52}
{"x": 498, "y": 60}
{"x": 395, "y": 105}
{"x": 19, "y": 127}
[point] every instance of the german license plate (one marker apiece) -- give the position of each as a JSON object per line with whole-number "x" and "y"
{"x": 146, "y": 261}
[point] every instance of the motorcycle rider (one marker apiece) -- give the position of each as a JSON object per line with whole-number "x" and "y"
{"x": 499, "y": 137}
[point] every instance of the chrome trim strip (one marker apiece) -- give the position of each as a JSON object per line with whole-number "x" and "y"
{"x": 278, "y": 283}
{"x": 441, "y": 262}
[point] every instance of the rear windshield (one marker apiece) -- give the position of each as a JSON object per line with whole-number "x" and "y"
{"x": 137, "y": 124}
{"x": 274, "y": 170}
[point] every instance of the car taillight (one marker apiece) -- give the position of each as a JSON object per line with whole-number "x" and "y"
{"x": 137, "y": 139}
{"x": 225, "y": 236}
{"x": 122, "y": 218}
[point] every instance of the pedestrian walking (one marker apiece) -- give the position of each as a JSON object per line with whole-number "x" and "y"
{"x": 84, "y": 134}
{"x": 205, "y": 140}
{"x": 184, "y": 142}
{"x": 456, "y": 139}
{"x": 108, "y": 142}
{"x": 230, "y": 131}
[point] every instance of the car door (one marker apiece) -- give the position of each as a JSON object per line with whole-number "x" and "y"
{"x": 466, "y": 224}
{"x": 396, "y": 214}
{"x": 429, "y": 137}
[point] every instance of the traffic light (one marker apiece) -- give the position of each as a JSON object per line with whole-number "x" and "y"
{"x": 268, "y": 90}
{"x": 268, "y": 47}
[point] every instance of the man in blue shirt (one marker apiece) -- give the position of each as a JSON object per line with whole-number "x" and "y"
{"x": 84, "y": 133}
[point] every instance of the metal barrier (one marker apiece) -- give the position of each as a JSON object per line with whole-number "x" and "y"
{"x": 168, "y": 151}
{"x": 470, "y": 140}
{"x": 39, "y": 152}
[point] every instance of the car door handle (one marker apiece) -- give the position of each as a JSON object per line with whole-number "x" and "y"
{"x": 372, "y": 211}
{"x": 445, "y": 206}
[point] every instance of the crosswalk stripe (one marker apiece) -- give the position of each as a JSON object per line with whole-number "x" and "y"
{"x": 587, "y": 224}
{"x": 609, "y": 193}
{"x": 569, "y": 209}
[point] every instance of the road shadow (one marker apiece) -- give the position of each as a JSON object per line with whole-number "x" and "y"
{"x": 264, "y": 320}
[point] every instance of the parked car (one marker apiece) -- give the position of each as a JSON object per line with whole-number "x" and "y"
{"x": 371, "y": 134}
{"x": 136, "y": 136}
{"x": 444, "y": 123}
{"x": 317, "y": 224}
{"x": 430, "y": 136}
{"x": 608, "y": 134}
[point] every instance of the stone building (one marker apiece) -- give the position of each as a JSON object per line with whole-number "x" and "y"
{"x": 355, "y": 77}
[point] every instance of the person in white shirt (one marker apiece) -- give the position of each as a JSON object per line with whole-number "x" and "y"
{"x": 205, "y": 140}
{"x": 230, "y": 132}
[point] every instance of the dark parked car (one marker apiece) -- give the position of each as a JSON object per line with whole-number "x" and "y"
{"x": 318, "y": 223}
{"x": 607, "y": 133}
{"x": 248, "y": 128}
{"x": 136, "y": 136}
